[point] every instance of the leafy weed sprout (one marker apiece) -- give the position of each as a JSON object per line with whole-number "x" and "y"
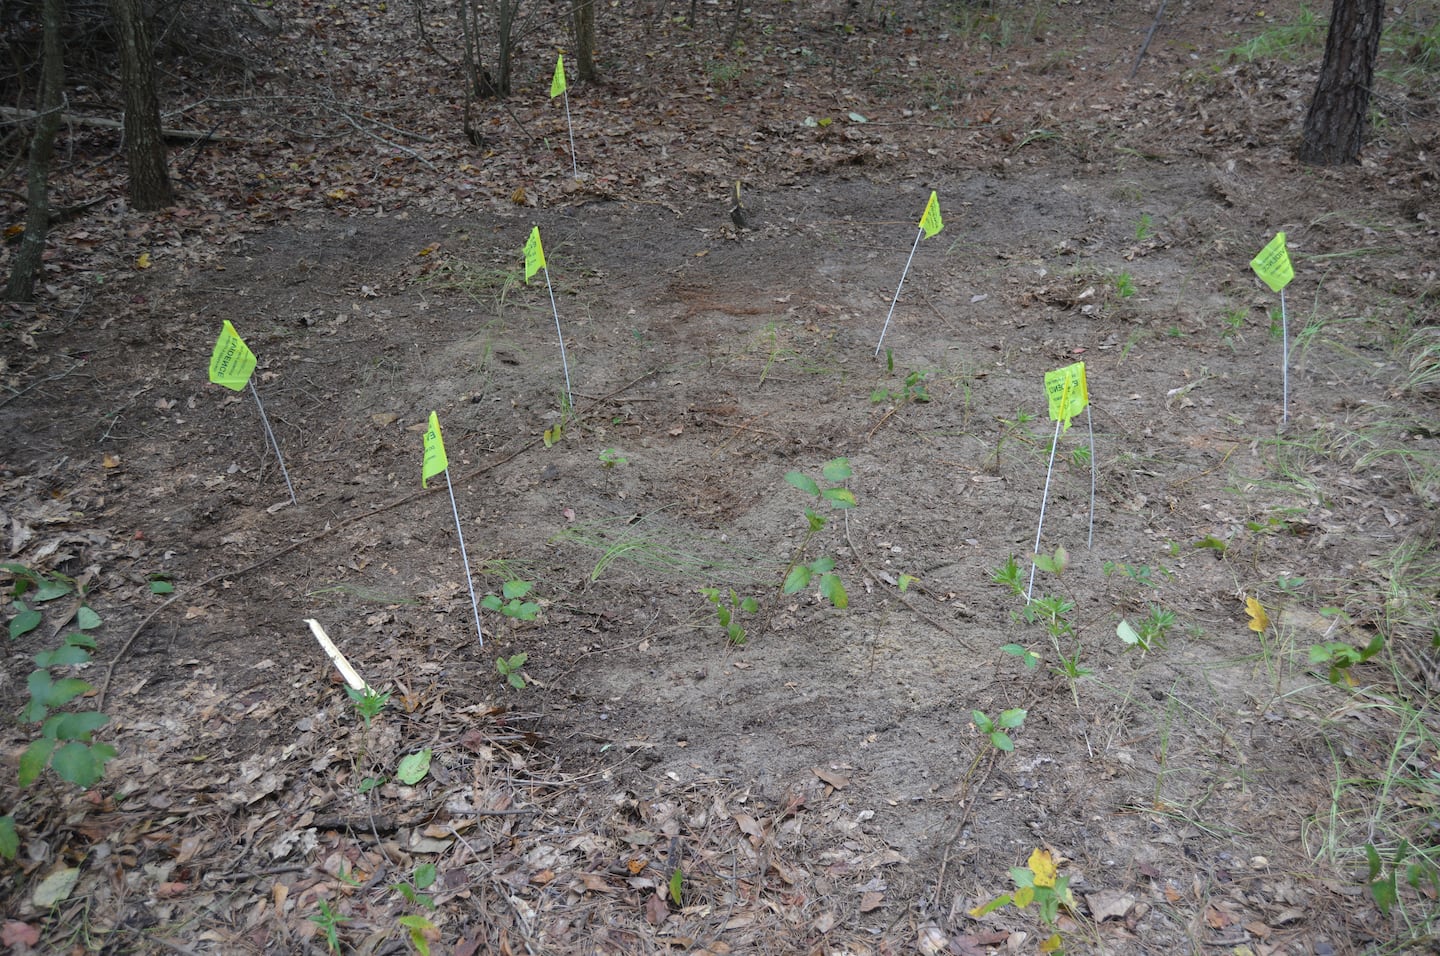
{"x": 1037, "y": 882}
{"x": 512, "y": 669}
{"x": 1144, "y": 227}
{"x": 1011, "y": 719}
{"x": 728, "y": 612}
{"x": 1125, "y": 285}
{"x": 798, "y": 575}
{"x": 511, "y": 603}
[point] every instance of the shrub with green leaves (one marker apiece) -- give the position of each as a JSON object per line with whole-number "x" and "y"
{"x": 800, "y": 574}
{"x": 512, "y": 604}
{"x": 728, "y": 612}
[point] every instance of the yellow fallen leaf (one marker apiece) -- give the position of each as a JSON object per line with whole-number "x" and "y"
{"x": 110, "y": 461}
{"x": 1259, "y": 620}
{"x": 143, "y": 262}
{"x": 429, "y": 249}
{"x": 518, "y": 196}
{"x": 1042, "y": 864}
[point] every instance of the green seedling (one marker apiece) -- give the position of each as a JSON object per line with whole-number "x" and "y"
{"x": 422, "y": 879}
{"x": 799, "y": 575}
{"x": 1289, "y": 585}
{"x": 1232, "y": 322}
{"x": 1124, "y": 285}
{"x": 1080, "y": 456}
{"x": 904, "y": 582}
{"x": 1008, "y": 574}
{"x": 512, "y": 669}
{"x": 609, "y": 458}
{"x": 913, "y": 389}
{"x": 1144, "y": 227}
{"x": 161, "y": 584}
{"x": 728, "y": 613}
{"x": 1012, "y": 719}
{"x": 1037, "y": 882}
{"x": 1339, "y": 657}
{"x": 1151, "y": 632}
{"x": 420, "y": 930}
{"x": 1141, "y": 574}
{"x": 1384, "y": 882}
{"x": 368, "y": 702}
{"x": 329, "y": 922}
{"x": 512, "y": 604}
{"x": 1212, "y": 543}
{"x": 677, "y": 885}
{"x": 1029, "y": 658}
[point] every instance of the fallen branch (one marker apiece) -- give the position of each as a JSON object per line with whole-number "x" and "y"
{"x": 101, "y": 122}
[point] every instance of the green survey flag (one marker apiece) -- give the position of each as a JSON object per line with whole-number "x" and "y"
{"x": 534, "y": 254}
{"x": 1273, "y": 264}
{"x": 435, "y": 460}
{"x": 1067, "y": 391}
{"x": 930, "y": 221}
{"x": 557, "y": 84}
{"x": 232, "y": 361}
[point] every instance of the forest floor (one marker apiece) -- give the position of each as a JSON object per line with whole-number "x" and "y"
{"x": 1186, "y": 758}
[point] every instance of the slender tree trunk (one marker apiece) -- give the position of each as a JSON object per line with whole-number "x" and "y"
{"x": 144, "y": 147}
{"x": 506, "y": 13}
{"x": 1335, "y": 124}
{"x": 26, "y": 264}
{"x": 584, "y": 18}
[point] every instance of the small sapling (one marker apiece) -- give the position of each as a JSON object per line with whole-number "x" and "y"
{"x": 512, "y": 669}
{"x": 1011, "y": 719}
{"x": 728, "y": 612}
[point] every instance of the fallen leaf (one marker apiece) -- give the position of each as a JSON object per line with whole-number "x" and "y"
{"x": 16, "y": 934}
{"x": 1109, "y": 904}
{"x": 833, "y": 779}
{"x": 824, "y": 923}
{"x": 871, "y": 901}
{"x": 657, "y": 910}
{"x": 55, "y": 887}
{"x": 143, "y": 261}
{"x": 1042, "y": 864}
{"x": 384, "y": 418}
{"x": 110, "y": 461}
{"x": 748, "y": 826}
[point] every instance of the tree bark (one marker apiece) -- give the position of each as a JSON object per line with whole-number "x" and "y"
{"x": 1335, "y": 124}
{"x": 26, "y": 264}
{"x": 583, "y": 12}
{"x": 150, "y": 186}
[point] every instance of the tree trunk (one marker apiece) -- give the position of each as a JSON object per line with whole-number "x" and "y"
{"x": 144, "y": 148}
{"x": 506, "y": 13}
{"x": 26, "y": 264}
{"x": 584, "y": 18}
{"x": 1335, "y": 124}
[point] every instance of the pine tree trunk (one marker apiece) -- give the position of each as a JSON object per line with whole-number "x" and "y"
{"x": 144, "y": 147}
{"x": 26, "y": 264}
{"x": 584, "y": 19}
{"x": 1335, "y": 124}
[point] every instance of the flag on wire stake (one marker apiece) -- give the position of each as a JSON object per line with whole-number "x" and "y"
{"x": 535, "y": 262}
{"x": 231, "y": 365}
{"x": 1272, "y": 265}
{"x": 930, "y": 223}
{"x": 435, "y": 463}
{"x": 1068, "y": 395}
{"x": 558, "y": 87}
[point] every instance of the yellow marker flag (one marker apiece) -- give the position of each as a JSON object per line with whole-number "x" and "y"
{"x": 435, "y": 460}
{"x": 534, "y": 254}
{"x": 1273, "y": 264}
{"x": 232, "y": 361}
{"x": 1068, "y": 392}
{"x": 557, "y": 84}
{"x": 930, "y": 220}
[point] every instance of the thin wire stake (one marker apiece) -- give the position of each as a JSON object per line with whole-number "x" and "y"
{"x": 1089, "y": 420}
{"x": 1285, "y": 361}
{"x": 564, "y": 362}
{"x": 273, "y": 443}
{"x": 1054, "y": 443}
{"x": 911, "y": 258}
{"x": 460, "y": 536}
{"x": 574, "y": 169}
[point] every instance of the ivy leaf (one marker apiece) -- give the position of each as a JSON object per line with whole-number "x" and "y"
{"x": 24, "y": 622}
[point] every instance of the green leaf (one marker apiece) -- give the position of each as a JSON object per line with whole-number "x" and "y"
{"x": 24, "y": 622}
{"x": 803, "y": 481}
{"x": 833, "y": 591}
{"x": 34, "y": 760}
{"x": 998, "y": 902}
{"x": 62, "y": 656}
{"x": 48, "y": 589}
{"x": 425, "y": 875}
{"x": 1127, "y": 633}
{"x": 750, "y": 605}
{"x": 86, "y": 619}
{"x": 677, "y": 881}
{"x": 821, "y": 565}
{"x": 81, "y": 764}
{"x": 418, "y": 926}
{"x": 837, "y": 470}
{"x": 1012, "y": 718}
{"x": 813, "y": 520}
{"x": 9, "y": 839}
{"x": 161, "y": 587}
{"x": 1213, "y": 543}
{"x": 797, "y": 580}
{"x": 905, "y": 581}
{"x": 47, "y": 692}
{"x": 76, "y": 726}
{"x": 370, "y": 783}
{"x": 1046, "y": 563}
{"x": 413, "y": 768}
{"x": 981, "y": 721}
{"x": 517, "y": 589}
{"x": 1002, "y": 741}
{"x": 839, "y": 497}
{"x": 490, "y": 602}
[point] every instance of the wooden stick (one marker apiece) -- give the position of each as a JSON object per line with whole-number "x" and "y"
{"x": 100, "y": 122}
{"x": 341, "y": 664}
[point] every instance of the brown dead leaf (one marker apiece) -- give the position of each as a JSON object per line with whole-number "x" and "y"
{"x": 1109, "y": 904}
{"x": 384, "y": 418}
{"x": 110, "y": 461}
{"x": 656, "y": 910}
{"x": 838, "y": 781}
{"x": 189, "y": 846}
{"x": 167, "y": 890}
{"x": 748, "y": 826}
{"x": 15, "y": 934}
{"x": 871, "y": 901}
{"x": 824, "y": 923}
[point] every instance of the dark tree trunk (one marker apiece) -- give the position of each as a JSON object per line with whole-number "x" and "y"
{"x": 26, "y": 264}
{"x": 1335, "y": 125}
{"x": 144, "y": 147}
{"x": 584, "y": 18}
{"x": 506, "y": 13}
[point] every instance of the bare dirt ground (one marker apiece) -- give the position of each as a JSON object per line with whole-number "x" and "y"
{"x": 820, "y": 786}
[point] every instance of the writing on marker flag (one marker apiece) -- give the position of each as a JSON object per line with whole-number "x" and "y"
{"x": 435, "y": 460}
{"x": 1067, "y": 391}
{"x": 1272, "y": 265}
{"x": 930, "y": 219}
{"x": 232, "y": 361}
{"x": 534, "y": 254}
{"x": 557, "y": 83}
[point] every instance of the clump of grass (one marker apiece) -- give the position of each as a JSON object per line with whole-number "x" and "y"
{"x": 1283, "y": 41}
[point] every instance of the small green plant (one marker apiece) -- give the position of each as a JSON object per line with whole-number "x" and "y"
{"x": 1231, "y": 324}
{"x": 1385, "y": 881}
{"x": 1150, "y": 632}
{"x": 420, "y": 930}
{"x": 329, "y": 922}
{"x": 727, "y": 613}
{"x": 1124, "y": 285}
{"x": 512, "y": 603}
{"x": 368, "y": 702}
{"x": 512, "y": 669}
{"x": 1008, "y": 574}
{"x": 1037, "y": 882}
{"x": 1283, "y": 41}
{"x": 609, "y": 458}
{"x": 800, "y": 574}
{"x": 1144, "y": 227}
{"x": 1029, "y": 658}
{"x": 421, "y": 879}
{"x": 1012, "y": 719}
{"x": 913, "y": 389}
{"x": 1141, "y": 574}
{"x": 1338, "y": 657}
